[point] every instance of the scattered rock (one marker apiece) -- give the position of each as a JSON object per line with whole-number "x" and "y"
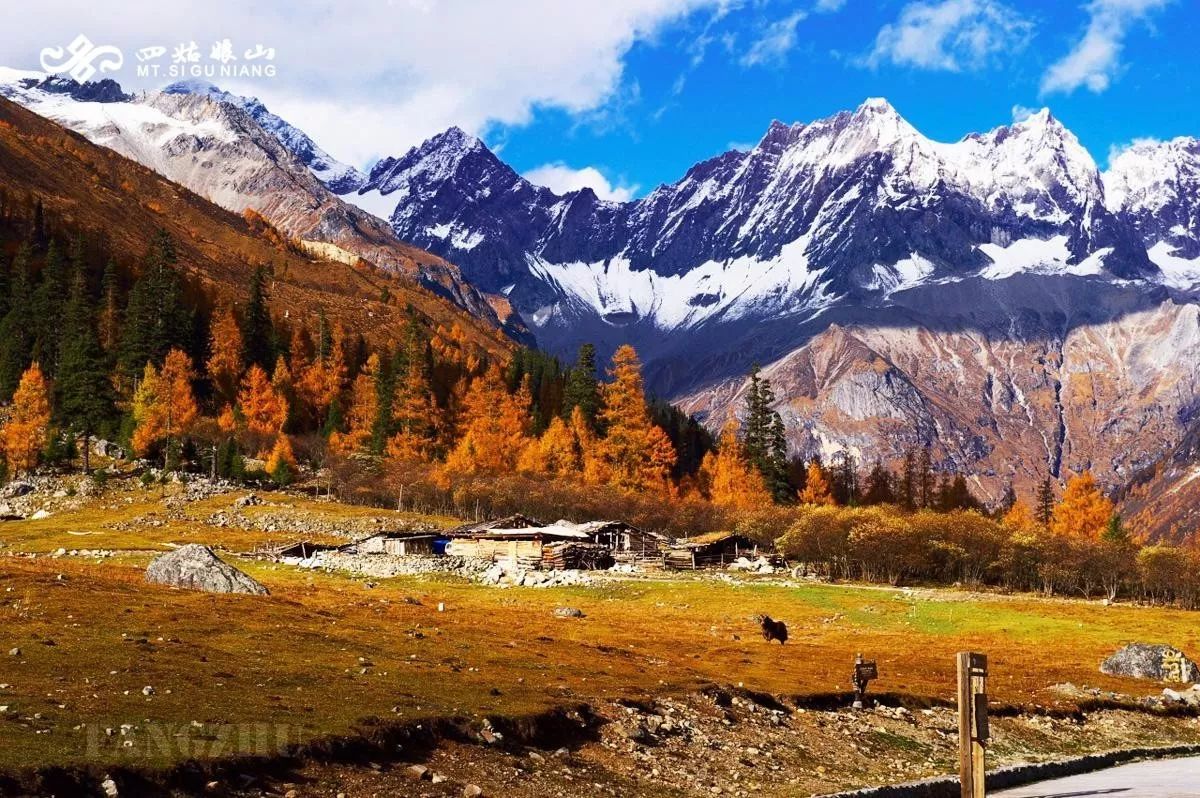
{"x": 16, "y": 488}
{"x": 14, "y": 652}
{"x": 39, "y": 515}
{"x": 110, "y": 788}
{"x": 418, "y": 772}
{"x": 195, "y": 567}
{"x": 472, "y": 791}
{"x": 759, "y": 566}
{"x": 1151, "y": 661}
{"x": 249, "y": 500}
{"x": 108, "y": 449}
{"x": 568, "y": 612}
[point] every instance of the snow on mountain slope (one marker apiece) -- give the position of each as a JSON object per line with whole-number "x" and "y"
{"x": 339, "y": 177}
{"x": 1156, "y": 186}
{"x": 216, "y": 147}
{"x": 851, "y": 209}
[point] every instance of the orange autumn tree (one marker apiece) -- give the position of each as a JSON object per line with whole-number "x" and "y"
{"x": 636, "y": 452}
{"x": 262, "y": 408}
{"x": 1019, "y": 517}
{"x": 24, "y": 436}
{"x": 414, "y": 410}
{"x": 224, "y": 365}
{"x": 1083, "y": 511}
{"x": 320, "y": 381}
{"x": 164, "y": 407}
{"x": 495, "y": 427}
{"x": 816, "y": 487}
{"x": 728, "y": 476}
{"x": 281, "y": 463}
{"x": 364, "y": 406}
{"x": 557, "y": 453}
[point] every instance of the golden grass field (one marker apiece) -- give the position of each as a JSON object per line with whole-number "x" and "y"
{"x": 326, "y": 652}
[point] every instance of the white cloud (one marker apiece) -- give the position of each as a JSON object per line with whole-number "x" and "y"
{"x": 1115, "y": 151}
{"x": 828, "y": 6}
{"x": 776, "y": 41}
{"x": 950, "y": 35}
{"x": 373, "y": 78}
{"x": 1022, "y": 112}
{"x": 1096, "y": 58}
{"x": 561, "y": 179}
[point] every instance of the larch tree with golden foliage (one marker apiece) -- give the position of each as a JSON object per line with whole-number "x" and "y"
{"x": 281, "y": 463}
{"x": 263, "y": 409}
{"x": 164, "y": 406}
{"x": 816, "y": 487}
{"x": 364, "y": 404}
{"x": 729, "y": 478}
{"x": 556, "y": 453}
{"x": 414, "y": 412}
{"x": 224, "y": 363}
{"x": 320, "y": 382}
{"x": 25, "y": 434}
{"x": 1083, "y": 511}
{"x": 494, "y": 429}
{"x": 637, "y": 453}
{"x": 1019, "y": 517}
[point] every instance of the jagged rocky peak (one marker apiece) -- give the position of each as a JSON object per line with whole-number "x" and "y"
{"x": 339, "y": 177}
{"x": 97, "y": 91}
{"x": 1156, "y": 185}
{"x": 452, "y": 157}
{"x": 1150, "y": 173}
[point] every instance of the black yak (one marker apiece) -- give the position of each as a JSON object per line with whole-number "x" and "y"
{"x": 773, "y": 630}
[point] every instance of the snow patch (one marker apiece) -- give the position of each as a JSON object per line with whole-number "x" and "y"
{"x": 1176, "y": 271}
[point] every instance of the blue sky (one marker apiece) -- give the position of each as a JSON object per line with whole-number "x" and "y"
{"x": 671, "y": 112}
{"x": 625, "y": 94}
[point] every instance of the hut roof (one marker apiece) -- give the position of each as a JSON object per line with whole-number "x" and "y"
{"x": 552, "y": 531}
{"x": 711, "y": 538}
{"x": 515, "y": 521}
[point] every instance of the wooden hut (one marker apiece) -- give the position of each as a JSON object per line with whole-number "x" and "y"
{"x": 515, "y": 521}
{"x": 523, "y": 546}
{"x": 399, "y": 544}
{"x": 712, "y": 549}
{"x": 624, "y": 540}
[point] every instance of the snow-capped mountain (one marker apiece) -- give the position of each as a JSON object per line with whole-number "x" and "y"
{"x": 1156, "y": 186}
{"x": 998, "y": 296}
{"x": 234, "y": 152}
{"x": 845, "y": 210}
{"x": 339, "y": 177}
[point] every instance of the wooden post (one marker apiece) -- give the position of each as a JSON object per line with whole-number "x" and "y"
{"x": 972, "y": 722}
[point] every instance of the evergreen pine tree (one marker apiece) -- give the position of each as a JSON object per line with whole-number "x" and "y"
{"x": 258, "y": 335}
{"x": 16, "y": 329}
{"x": 85, "y": 395}
{"x": 926, "y": 486}
{"x": 879, "y": 486}
{"x": 766, "y": 441}
{"x": 155, "y": 318}
{"x": 5, "y": 285}
{"x": 109, "y": 318}
{"x": 582, "y": 388}
{"x": 48, "y": 310}
{"x": 910, "y": 480}
{"x": 1114, "y": 530}
{"x": 1044, "y": 509}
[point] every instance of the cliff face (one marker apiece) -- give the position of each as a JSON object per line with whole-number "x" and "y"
{"x": 1113, "y": 395}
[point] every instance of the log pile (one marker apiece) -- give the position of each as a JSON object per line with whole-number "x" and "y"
{"x": 576, "y": 556}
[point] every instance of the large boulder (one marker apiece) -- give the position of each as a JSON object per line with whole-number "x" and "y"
{"x": 1150, "y": 661}
{"x": 195, "y": 567}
